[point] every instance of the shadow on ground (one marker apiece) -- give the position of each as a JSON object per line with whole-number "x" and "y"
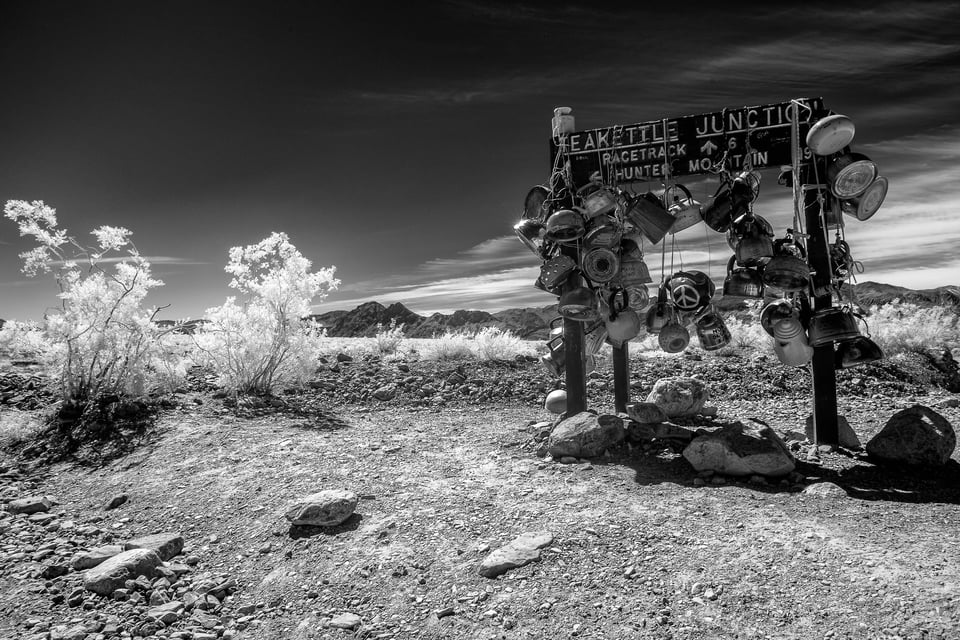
{"x": 298, "y": 531}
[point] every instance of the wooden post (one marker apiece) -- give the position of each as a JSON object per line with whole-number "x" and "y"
{"x": 825, "y": 427}
{"x": 621, "y": 377}
{"x": 574, "y": 366}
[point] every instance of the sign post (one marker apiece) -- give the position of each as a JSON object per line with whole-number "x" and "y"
{"x": 728, "y": 140}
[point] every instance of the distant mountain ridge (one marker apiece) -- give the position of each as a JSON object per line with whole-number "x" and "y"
{"x": 534, "y": 323}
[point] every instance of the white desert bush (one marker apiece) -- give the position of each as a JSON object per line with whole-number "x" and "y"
{"x": 388, "y": 339}
{"x": 452, "y": 345}
{"x": 23, "y": 340}
{"x": 102, "y": 340}
{"x": 495, "y": 344}
{"x": 259, "y": 343}
{"x": 900, "y": 327}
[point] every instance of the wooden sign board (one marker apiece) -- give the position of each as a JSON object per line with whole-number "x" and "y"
{"x": 645, "y": 151}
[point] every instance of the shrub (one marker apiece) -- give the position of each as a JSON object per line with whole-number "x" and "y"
{"x": 388, "y": 340}
{"x": 492, "y": 343}
{"x": 102, "y": 342}
{"x": 900, "y": 327}
{"x": 23, "y": 340}
{"x": 453, "y": 345}
{"x": 260, "y": 343}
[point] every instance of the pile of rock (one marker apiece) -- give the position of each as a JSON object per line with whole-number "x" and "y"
{"x": 99, "y": 587}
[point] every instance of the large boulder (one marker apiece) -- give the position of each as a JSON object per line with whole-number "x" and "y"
{"x": 915, "y": 435}
{"x": 110, "y": 575}
{"x": 740, "y": 450}
{"x": 326, "y": 508}
{"x": 847, "y": 436}
{"x": 679, "y": 396}
{"x": 516, "y": 553}
{"x": 585, "y": 435}
{"x": 89, "y": 559}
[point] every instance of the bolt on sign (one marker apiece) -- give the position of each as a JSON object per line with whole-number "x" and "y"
{"x": 755, "y": 137}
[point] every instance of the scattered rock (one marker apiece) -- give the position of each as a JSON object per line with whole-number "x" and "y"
{"x": 167, "y": 613}
{"x": 167, "y": 545}
{"x": 386, "y": 392}
{"x": 679, "y": 396}
{"x": 847, "y": 436}
{"x": 916, "y": 435}
{"x": 585, "y": 435}
{"x": 519, "y": 552}
{"x": 344, "y": 621}
{"x": 33, "y": 504}
{"x": 116, "y": 501}
{"x": 111, "y": 574}
{"x": 326, "y": 508}
{"x": 740, "y": 450}
{"x": 646, "y": 413}
{"x": 825, "y": 490}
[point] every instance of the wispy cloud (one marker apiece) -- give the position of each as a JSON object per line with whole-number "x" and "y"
{"x": 169, "y": 260}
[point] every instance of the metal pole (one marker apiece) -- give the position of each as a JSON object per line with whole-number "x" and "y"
{"x": 825, "y": 429}
{"x": 621, "y": 377}
{"x": 574, "y": 366}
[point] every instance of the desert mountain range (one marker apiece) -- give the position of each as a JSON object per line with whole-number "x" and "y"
{"x": 533, "y": 323}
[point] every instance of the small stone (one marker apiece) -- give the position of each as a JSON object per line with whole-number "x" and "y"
{"x": 825, "y": 490}
{"x": 344, "y": 621}
{"x": 521, "y": 551}
{"x": 679, "y": 396}
{"x": 444, "y": 612}
{"x": 33, "y": 504}
{"x": 386, "y": 392}
{"x": 326, "y": 508}
{"x": 93, "y": 557}
{"x": 116, "y": 501}
{"x": 166, "y": 545}
{"x": 646, "y": 413}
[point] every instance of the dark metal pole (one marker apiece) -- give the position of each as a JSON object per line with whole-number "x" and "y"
{"x": 621, "y": 377}
{"x": 825, "y": 429}
{"x": 574, "y": 366}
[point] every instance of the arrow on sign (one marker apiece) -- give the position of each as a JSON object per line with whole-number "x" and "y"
{"x": 708, "y": 147}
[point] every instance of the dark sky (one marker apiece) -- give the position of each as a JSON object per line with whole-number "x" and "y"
{"x": 397, "y": 140}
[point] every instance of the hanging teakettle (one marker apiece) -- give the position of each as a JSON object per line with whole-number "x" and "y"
{"x": 580, "y": 304}
{"x": 787, "y": 270}
{"x": 647, "y": 214}
{"x": 835, "y": 324}
{"x": 536, "y": 204}
{"x": 623, "y": 324}
{"x": 684, "y": 209}
{"x": 602, "y": 231}
{"x": 776, "y": 311}
{"x": 712, "y": 331}
{"x": 754, "y": 245}
{"x": 744, "y": 282}
{"x": 555, "y": 271}
{"x": 595, "y": 335}
{"x": 854, "y": 353}
{"x": 661, "y": 313}
{"x": 863, "y": 207}
{"x": 597, "y": 199}
{"x": 564, "y": 226}
{"x": 673, "y": 337}
{"x": 600, "y": 265}
{"x": 731, "y": 200}
{"x": 633, "y": 270}
{"x": 530, "y": 233}
{"x": 691, "y": 290}
{"x": 790, "y": 342}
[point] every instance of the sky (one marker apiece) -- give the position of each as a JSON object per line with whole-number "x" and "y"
{"x": 397, "y": 141}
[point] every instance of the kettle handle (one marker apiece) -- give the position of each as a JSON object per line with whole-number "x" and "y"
{"x": 612, "y": 302}
{"x": 730, "y": 264}
{"x": 682, "y": 188}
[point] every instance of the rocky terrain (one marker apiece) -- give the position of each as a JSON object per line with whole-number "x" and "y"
{"x": 463, "y": 518}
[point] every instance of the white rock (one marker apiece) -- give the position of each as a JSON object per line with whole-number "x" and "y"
{"x": 326, "y": 508}
{"x": 740, "y": 450}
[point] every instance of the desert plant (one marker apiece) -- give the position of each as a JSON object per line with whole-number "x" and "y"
{"x": 102, "y": 341}
{"x": 493, "y": 343}
{"x": 452, "y": 345}
{"x": 23, "y": 340}
{"x": 388, "y": 339}
{"x": 260, "y": 343}
{"x": 900, "y": 327}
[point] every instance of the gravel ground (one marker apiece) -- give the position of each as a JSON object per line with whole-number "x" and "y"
{"x": 643, "y": 546}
